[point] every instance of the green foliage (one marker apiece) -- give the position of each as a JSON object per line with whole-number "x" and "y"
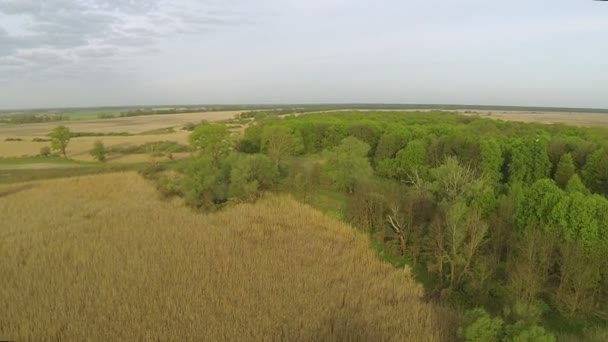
{"x": 479, "y": 326}
{"x": 575, "y": 184}
{"x": 565, "y": 170}
{"x": 595, "y": 172}
{"x": 211, "y": 140}
{"x": 491, "y": 159}
{"x": 521, "y": 332}
{"x": 205, "y": 184}
{"x": 250, "y": 175}
{"x": 389, "y": 144}
{"x": 150, "y": 147}
{"x": 348, "y": 163}
{"x": 280, "y": 142}
{"x": 529, "y": 160}
{"x": 99, "y": 151}
{"x": 60, "y": 137}
{"x": 45, "y": 151}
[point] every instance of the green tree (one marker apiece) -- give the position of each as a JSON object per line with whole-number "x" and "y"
{"x": 211, "y": 140}
{"x": 465, "y": 232}
{"x": 347, "y": 162}
{"x": 60, "y": 137}
{"x": 565, "y": 170}
{"x": 575, "y": 184}
{"x": 250, "y": 175}
{"x": 280, "y": 142}
{"x": 491, "y": 159}
{"x": 479, "y": 326}
{"x": 595, "y": 172}
{"x": 529, "y": 161}
{"x": 99, "y": 151}
{"x": 389, "y": 144}
{"x": 205, "y": 183}
{"x": 412, "y": 158}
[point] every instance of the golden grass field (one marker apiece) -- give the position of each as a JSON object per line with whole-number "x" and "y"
{"x": 103, "y": 258}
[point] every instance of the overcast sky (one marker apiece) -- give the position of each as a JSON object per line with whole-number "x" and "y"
{"x": 58, "y": 53}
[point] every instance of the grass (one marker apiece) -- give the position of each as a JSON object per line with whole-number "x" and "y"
{"x": 103, "y": 258}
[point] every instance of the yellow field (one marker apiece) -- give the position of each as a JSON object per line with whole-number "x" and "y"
{"x": 102, "y": 258}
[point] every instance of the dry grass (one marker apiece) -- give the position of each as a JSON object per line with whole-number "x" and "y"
{"x": 102, "y": 258}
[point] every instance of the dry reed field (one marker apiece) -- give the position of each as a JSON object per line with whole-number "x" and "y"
{"x": 103, "y": 258}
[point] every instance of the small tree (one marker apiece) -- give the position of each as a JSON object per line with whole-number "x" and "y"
{"x": 99, "y": 151}
{"x": 60, "y": 137}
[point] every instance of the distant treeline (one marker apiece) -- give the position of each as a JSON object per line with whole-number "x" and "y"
{"x": 59, "y": 114}
{"x": 31, "y": 118}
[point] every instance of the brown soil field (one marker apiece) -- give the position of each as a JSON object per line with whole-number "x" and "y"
{"x": 103, "y": 258}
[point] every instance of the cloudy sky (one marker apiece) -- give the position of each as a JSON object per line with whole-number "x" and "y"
{"x": 58, "y": 53}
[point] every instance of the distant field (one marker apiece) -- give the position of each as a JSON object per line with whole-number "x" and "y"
{"x": 573, "y": 119}
{"x": 79, "y": 147}
{"x": 136, "y": 124}
{"x": 102, "y": 258}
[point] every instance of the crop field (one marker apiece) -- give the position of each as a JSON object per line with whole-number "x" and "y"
{"x": 102, "y": 258}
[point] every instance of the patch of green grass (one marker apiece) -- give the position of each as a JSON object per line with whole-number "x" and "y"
{"x": 18, "y": 176}
{"x": 43, "y": 160}
{"x": 99, "y": 134}
{"x": 151, "y": 147}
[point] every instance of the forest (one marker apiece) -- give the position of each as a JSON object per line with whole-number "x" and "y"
{"x": 507, "y": 222}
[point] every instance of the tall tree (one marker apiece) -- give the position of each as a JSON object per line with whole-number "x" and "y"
{"x": 491, "y": 159}
{"x": 595, "y": 172}
{"x": 60, "y": 137}
{"x": 211, "y": 140}
{"x": 565, "y": 170}
{"x": 347, "y": 162}
{"x": 280, "y": 141}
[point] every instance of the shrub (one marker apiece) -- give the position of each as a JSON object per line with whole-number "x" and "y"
{"x": 479, "y": 326}
{"x": 45, "y": 151}
{"x": 99, "y": 151}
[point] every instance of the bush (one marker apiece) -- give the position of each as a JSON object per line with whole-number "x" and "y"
{"x": 45, "y": 151}
{"x": 99, "y": 151}
{"x": 480, "y": 327}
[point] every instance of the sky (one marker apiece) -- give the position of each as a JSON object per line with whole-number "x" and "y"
{"x": 74, "y": 53}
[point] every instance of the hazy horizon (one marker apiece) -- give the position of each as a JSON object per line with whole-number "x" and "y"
{"x": 92, "y": 53}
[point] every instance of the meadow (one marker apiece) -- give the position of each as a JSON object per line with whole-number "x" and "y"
{"x": 104, "y": 258}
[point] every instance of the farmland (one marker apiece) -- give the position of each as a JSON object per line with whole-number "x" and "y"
{"x": 104, "y": 257}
